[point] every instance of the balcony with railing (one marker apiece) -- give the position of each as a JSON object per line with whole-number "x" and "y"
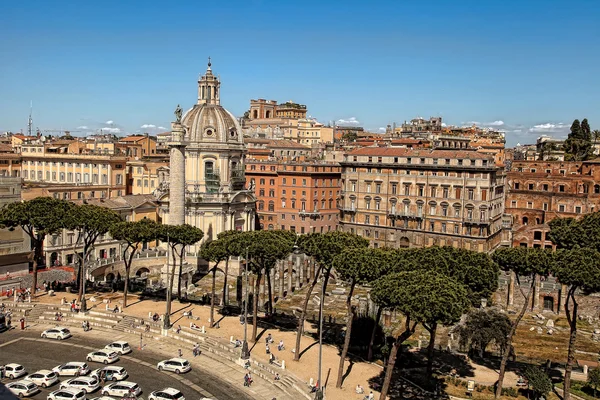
{"x": 398, "y": 214}
{"x": 238, "y": 178}
{"x": 213, "y": 181}
{"x": 472, "y": 220}
{"x": 315, "y": 214}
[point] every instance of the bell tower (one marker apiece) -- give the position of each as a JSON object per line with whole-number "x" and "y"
{"x": 209, "y": 88}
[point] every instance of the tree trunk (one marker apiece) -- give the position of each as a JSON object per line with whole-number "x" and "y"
{"x": 269, "y": 293}
{"x": 38, "y": 254}
{"x": 374, "y": 333}
{"x": 347, "y": 337}
{"x": 212, "y": 296}
{"x": 303, "y": 314}
{"x": 170, "y": 278}
{"x": 509, "y": 338}
{"x": 225, "y": 288}
{"x": 326, "y": 272}
{"x": 255, "y": 306}
{"x": 431, "y": 347}
{"x": 127, "y": 271}
{"x": 179, "y": 276}
{"x": 572, "y": 336}
{"x": 389, "y": 370}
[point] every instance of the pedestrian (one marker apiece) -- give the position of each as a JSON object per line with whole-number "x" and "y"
{"x": 277, "y": 377}
{"x": 268, "y": 350}
{"x": 280, "y": 347}
{"x": 180, "y": 353}
{"x": 178, "y": 329}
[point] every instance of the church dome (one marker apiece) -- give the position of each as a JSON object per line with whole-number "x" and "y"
{"x": 211, "y": 123}
{"x": 207, "y": 121}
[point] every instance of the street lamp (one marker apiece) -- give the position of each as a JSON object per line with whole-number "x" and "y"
{"x": 319, "y": 392}
{"x": 245, "y": 351}
{"x": 83, "y": 302}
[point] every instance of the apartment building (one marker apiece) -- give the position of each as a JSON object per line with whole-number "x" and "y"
{"x": 539, "y": 191}
{"x": 62, "y": 248}
{"x": 65, "y": 173}
{"x": 298, "y": 196}
{"x": 399, "y": 197}
{"x": 146, "y": 175}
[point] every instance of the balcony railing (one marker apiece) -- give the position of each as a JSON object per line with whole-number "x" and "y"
{"x": 311, "y": 214}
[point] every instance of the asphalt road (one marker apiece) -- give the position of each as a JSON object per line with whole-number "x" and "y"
{"x": 15, "y": 347}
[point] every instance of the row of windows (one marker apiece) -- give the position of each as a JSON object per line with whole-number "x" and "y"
{"x": 271, "y": 205}
{"x": 433, "y": 227}
{"x": 315, "y": 182}
{"x": 303, "y": 168}
{"x": 69, "y": 165}
{"x": 420, "y": 190}
{"x": 81, "y": 195}
{"x": 545, "y": 207}
{"x": 261, "y": 193}
{"x": 472, "y": 175}
{"x": 71, "y": 177}
{"x": 422, "y": 160}
{"x": 546, "y": 187}
{"x": 303, "y": 230}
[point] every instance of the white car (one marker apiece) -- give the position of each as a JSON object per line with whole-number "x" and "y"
{"x": 103, "y": 356}
{"x": 121, "y": 389}
{"x": 14, "y": 371}
{"x": 121, "y": 347}
{"x": 84, "y": 383}
{"x": 73, "y": 368}
{"x": 66, "y": 394}
{"x": 43, "y": 378}
{"x": 113, "y": 373}
{"x": 23, "y": 388}
{"x": 166, "y": 394}
{"x": 177, "y": 365}
{"x": 56, "y": 333}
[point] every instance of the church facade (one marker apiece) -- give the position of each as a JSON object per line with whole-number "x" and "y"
{"x": 206, "y": 186}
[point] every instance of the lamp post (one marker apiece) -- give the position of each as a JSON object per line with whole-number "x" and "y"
{"x": 167, "y": 317}
{"x": 245, "y": 351}
{"x": 84, "y": 279}
{"x": 319, "y": 392}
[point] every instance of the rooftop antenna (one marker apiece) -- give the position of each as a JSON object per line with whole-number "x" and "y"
{"x": 30, "y": 120}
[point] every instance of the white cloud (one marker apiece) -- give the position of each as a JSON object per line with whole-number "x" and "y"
{"x": 444, "y": 124}
{"x": 148, "y": 126}
{"x": 109, "y": 122}
{"x": 381, "y": 129}
{"x": 549, "y": 127}
{"x": 495, "y": 123}
{"x": 83, "y": 127}
{"x": 111, "y": 130}
{"x": 470, "y": 123}
{"x": 349, "y": 121}
{"x": 162, "y": 128}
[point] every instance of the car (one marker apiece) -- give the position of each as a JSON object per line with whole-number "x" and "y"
{"x": 14, "y": 371}
{"x": 103, "y": 398}
{"x": 166, "y": 394}
{"x": 23, "y": 388}
{"x": 103, "y": 356}
{"x": 56, "y": 333}
{"x": 121, "y": 389}
{"x": 121, "y": 347}
{"x": 177, "y": 365}
{"x": 114, "y": 373}
{"x": 66, "y": 394}
{"x": 73, "y": 368}
{"x": 85, "y": 383}
{"x": 43, "y": 378}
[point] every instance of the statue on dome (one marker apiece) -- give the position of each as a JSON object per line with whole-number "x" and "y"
{"x": 178, "y": 114}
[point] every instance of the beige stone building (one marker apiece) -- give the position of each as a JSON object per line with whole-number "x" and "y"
{"x": 399, "y": 197}
{"x": 145, "y": 175}
{"x": 46, "y": 168}
{"x": 206, "y": 184}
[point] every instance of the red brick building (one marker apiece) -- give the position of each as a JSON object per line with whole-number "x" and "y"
{"x": 539, "y": 191}
{"x": 298, "y": 196}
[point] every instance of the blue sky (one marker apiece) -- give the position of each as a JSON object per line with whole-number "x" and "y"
{"x": 530, "y": 67}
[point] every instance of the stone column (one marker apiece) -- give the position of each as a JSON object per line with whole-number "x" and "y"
{"x": 297, "y": 277}
{"x": 562, "y": 298}
{"x": 536, "y": 294}
{"x": 261, "y": 290}
{"x": 302, "y": 273}
{"x": 281, "y": 278}
{"x": 177, "y": 176}
{"x": 510, "y": 291}
{"x": 290, "y": 276}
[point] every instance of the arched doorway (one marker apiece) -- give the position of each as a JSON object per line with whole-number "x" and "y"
{"x": 54, "y": 259}
{"x": 268, "y": 114}
{"x": 109, "y": 277}
{"x": 549, "y": 303}
{"x": 142, "y": 272}
{"x": 404, "y": 242}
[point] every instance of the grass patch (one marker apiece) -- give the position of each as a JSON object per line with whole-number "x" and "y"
{"x": 581, "y": 389}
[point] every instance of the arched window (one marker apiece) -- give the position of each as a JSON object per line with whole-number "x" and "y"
{"x": 525, "y": 220}
{"x": 271, "y": 206}
{"x": 209, "y": 168}
{"x": 261, "y": 206}
{"x": 255, "y": 114}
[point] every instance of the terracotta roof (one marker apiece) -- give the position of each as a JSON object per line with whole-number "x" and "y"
{"x": 287, "y": 144}
{"x": 130, "y": 201}
{"x": 402, "y": 152}
{"x": 6, "y": 148}
{"x": 406, "y": 141}
{"x": 136, "y": 200}
{"x": 132, "y": 139}
{"x": 164, "y": 134}
{"x": 15, "y": 258}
